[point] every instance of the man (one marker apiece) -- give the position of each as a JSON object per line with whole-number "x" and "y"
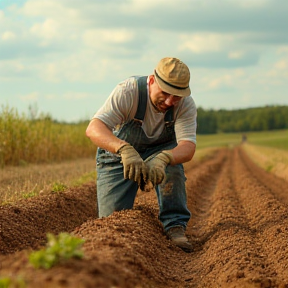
{"x": 144, "y": 132}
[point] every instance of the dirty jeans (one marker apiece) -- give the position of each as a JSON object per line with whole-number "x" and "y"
{"x": 114, "y": 193}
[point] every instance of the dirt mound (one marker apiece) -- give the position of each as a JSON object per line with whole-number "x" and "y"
{"x": 239, "y": 229}
{"x": 25, "y": 224}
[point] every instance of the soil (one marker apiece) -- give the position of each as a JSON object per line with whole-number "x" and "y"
{"x": 239, "y": 230}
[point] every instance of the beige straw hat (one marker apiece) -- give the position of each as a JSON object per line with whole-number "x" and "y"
{"x": 173, "y": 76}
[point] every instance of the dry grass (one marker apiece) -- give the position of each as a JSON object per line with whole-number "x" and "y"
{"x": 42, "y": 140}
{"x": 270, "y": 159}
{"x": 31, "y": 180}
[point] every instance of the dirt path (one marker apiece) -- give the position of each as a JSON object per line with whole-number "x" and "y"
{"x": 239, "y": 229}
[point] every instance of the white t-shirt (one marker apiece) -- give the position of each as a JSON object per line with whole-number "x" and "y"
{"x": 121, "y": 106}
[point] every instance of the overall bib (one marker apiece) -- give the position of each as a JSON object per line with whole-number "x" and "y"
{"x": 114, "y": 193}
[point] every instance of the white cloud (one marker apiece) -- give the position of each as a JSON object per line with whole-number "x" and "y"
{"x": 204, "y": 42}
{"x": 99, "y": 37}
{"x": 1, "y": 15}
{"x": 30, "y": 97}
{"x": 11, "y": 69}
{"x": 51, "y": 72}
{"x": 140, "y": 6}
{"x": 282, "y": 64}
{"x": 252, "y": 4}
{"x": 8, "y": 35}
{"x": 235, "y": 54}
{"x": 226, "y": 80}
{"x": 43, "y": 8}
{"x": 49, "y": 29}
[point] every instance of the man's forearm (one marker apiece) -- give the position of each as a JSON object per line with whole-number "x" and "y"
{"x": 103, "y": 137}
{"x": 183, "y": 152}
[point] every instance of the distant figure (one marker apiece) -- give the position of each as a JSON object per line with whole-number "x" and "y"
{"x": 155, "y": 117}
{"x": 244, "y": 138}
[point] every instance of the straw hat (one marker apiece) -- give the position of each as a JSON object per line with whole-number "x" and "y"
{"x": 173, "y": 76}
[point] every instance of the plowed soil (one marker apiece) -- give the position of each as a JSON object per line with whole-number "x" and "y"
{"x": 239, "y": 229}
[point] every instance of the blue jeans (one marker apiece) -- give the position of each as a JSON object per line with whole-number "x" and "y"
{"x": 114, "y": 193}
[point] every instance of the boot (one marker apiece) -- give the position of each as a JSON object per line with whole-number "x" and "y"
{"x": 177, "y": 236}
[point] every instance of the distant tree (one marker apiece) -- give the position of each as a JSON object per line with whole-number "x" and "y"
{"x": 206, "y": 121}
{"x": 242, "y": 120}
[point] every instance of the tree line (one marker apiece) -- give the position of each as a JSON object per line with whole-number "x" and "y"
{"x": 242, "y": 120}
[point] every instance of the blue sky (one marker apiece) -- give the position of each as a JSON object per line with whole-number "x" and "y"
{"x": 65, "y": 57}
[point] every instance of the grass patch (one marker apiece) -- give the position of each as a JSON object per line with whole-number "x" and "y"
{"x": 218, "y": 140}
{"x": 25, "y": 182}
{"x": 87, "y": 177}
{"x": 276, "y": 139}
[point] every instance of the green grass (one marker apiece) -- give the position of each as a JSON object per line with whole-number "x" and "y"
{"x": 276, "y": 139}
{"x": 218, "y": 140}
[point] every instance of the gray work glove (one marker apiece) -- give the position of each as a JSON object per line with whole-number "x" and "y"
{"x": 156, "y": 166}
{"x": 133, "y": 164}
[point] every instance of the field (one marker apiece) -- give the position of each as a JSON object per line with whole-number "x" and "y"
{"x": 239, "y": 227}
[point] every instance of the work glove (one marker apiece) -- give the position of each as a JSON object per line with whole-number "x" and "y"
{"x": 156, "y": 166}
{"x": 133, "y": 164}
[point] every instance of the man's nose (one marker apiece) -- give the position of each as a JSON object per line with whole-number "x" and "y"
{"x": 170, "y": 100}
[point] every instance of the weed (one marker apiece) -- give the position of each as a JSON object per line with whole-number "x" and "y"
{"x": 29, "y": 194}
{"x": 58, "y": 249}
{"x": 58, "y": 187}
{"x": 7, "y": 282}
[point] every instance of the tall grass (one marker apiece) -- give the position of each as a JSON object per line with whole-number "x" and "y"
{"x": 24, "y": 140}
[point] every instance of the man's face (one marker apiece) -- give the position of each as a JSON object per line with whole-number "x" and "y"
{"x": 161, "y": 100}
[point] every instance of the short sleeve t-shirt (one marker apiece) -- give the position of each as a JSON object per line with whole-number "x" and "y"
{"x": 121, "y": 106}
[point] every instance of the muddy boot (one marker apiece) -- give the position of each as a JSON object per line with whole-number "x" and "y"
{"x": 177, "y": 236}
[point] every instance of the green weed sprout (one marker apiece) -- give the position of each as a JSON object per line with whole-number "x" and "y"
{"x": 7, "y": 282}
{"x": 58, "y": 187}
{"x": 58, "y": 249}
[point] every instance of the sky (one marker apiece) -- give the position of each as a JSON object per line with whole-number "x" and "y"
{"x": 64, "y": 57}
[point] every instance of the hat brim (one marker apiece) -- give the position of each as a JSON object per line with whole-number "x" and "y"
{"x": 172, "y": 90}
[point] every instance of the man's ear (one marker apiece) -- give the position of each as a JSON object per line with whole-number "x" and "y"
{"x": 151, "y": 79}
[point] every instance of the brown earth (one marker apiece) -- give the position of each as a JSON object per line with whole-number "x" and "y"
{"x": 239, "y": 228}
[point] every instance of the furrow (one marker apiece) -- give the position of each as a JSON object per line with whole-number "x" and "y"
{"x": 267, "y": 216}
{"x": 229, "y": 253}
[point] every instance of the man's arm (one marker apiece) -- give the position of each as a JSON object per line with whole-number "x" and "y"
{"x": 103, "y": 137}
{"x": 183, "y": 152}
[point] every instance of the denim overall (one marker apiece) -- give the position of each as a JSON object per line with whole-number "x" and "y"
{"x": 115, "y": 193}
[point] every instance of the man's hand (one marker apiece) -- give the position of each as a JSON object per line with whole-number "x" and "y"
{"x": 134, "y": 166}
{"x": 156, "y": 166}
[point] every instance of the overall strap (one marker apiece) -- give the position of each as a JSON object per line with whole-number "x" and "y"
{"x": 142, "y": 88}
{"x": 169, "y": 117}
